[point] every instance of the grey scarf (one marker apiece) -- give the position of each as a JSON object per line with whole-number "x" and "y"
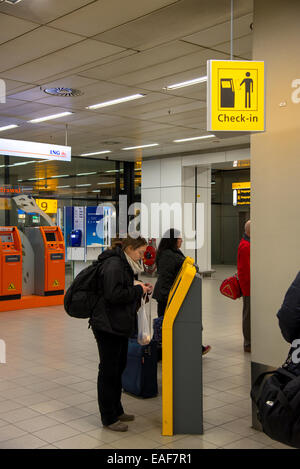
{"x": 137, "y": 267}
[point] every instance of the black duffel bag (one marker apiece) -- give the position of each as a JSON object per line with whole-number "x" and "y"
{"x": 277, "y": 400}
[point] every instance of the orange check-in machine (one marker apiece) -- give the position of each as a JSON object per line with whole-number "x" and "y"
{"x": 10, "y": 263}
{"x": 49, "y": 251}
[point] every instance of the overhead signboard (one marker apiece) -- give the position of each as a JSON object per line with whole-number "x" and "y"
{"x": 241, "y": 193}
{"x": 235, "y": 96}
{"x": 25, "y": 149}
{"x": 47, "y": 205}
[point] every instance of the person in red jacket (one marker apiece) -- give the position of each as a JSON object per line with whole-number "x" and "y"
{"x": 243, "y": 268}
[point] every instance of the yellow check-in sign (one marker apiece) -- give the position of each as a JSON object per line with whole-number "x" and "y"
{"x": 235, "y": 96}
{"x": 47, "y": 205}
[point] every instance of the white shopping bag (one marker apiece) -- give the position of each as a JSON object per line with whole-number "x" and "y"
{"x": 144, "y": 330}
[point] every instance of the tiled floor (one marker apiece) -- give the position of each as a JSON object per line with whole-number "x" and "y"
{"x": 48, "y": 385}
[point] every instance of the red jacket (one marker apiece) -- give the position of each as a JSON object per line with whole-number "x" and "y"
{"x": 243, "y": 265}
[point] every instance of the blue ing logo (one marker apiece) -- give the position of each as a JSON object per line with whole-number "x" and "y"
{"x": 55, "y": 152}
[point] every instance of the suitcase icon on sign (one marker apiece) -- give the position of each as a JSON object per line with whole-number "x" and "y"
{"x": 227, "y": 92}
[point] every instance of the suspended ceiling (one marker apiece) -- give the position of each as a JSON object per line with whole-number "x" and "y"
{"x": 110, "y": 49}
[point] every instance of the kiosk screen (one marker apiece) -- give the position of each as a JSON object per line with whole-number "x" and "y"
{"x": 7, "y": 238}
{"x": 50, "y": 237}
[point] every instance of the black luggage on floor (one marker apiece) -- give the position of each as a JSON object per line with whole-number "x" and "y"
{"x": 277, "y": 400}
{"x": 140, "y": 375}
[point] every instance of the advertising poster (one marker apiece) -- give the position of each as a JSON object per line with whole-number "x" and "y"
{"x": 94, "y": 229}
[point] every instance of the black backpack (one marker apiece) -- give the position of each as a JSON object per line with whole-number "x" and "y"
{"x": 83, "y": 294}
{"x": 277, "y": 401}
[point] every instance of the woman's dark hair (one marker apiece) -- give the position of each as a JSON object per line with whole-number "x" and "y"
{"x": 134, "y": 243}
{"x": 168, "y": 241}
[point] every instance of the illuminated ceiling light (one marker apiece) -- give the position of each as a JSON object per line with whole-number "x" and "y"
{"x": 102, "y": 183}
{"x": 47, "y": 118}
{"x": 8, "y": 127}
{"x": 99, "y": 190}
{"x": 195, "y": 81}
{"x": 60, "y": 176}
{"x": 83, "y": 185}
{"x": 86, "y": 174}
{"x": 193, "y": 138}
{"x": 96, "y": 153}
{"x": 141, "y": 146}
{"x": 62, "y": 187}
{"x": 116, "y": 101}
{"x": 12, "y": 2}
{"x": 20, "y": 164}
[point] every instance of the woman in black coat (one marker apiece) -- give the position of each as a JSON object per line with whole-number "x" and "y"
{"x": 169, "y": 260}
{"x": 113, "y": 321}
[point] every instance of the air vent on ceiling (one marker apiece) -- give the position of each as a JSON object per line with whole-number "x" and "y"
{"x": 63, "y": 92}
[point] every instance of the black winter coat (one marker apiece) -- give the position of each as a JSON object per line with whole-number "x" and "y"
{"x": 168, "y": 265}
{"x": 289, "y": 313}
{"x": 115, "y": 310}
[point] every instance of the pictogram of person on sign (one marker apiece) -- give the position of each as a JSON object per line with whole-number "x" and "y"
{"x": 248, "y": 89}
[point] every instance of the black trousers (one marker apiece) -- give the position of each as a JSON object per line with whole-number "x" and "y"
{"x": 161, "y": 306}
{"x": 113, "y": 358}
{"x": 247, "y": 321}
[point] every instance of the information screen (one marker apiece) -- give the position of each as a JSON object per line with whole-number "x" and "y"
{"x": 50, "y": 237}
{"x": 7, "y": 238}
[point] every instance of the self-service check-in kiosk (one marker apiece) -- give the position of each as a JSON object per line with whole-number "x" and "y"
{"x": 49, "y": 250}
{"x": 182, "y": 398}
{"x": 10, "y": 263}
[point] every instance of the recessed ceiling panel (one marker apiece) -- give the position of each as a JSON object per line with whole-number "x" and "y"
{"x": 178, "y": 20}
{"x": 33, "y": 45}
{"x": 106, "y": 14}
{"x": 42, "y": 11}
{"x": 64, "y": 60}
{"x": 221, "y": 32}
{"x": 141, "y": 60}
{"x": 11, "y": 27}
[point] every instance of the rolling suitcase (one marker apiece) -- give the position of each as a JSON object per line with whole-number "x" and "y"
{"x": 140, "y": 375}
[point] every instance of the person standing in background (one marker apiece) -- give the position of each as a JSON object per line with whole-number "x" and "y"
{"x": 243, "y": 270}
{"x": 169, "y": 260}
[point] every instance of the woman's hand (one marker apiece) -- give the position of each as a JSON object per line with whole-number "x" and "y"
{"x": 150, "y": 287}
{"x": 145, "y": 288}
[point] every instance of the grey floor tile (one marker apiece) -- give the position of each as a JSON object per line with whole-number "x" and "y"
{"x": 48, "y": 406}
{"x": 36, "y": 423}
{"x": 56, "y": 433}
{"x": 68, "y": 414}
{"x": 18, "y": 415}
{"x": 23, "y": 442}
{"x": 9, "y": 432}
{"x": 81, "y": 441}
{"x": 6, "y": 406}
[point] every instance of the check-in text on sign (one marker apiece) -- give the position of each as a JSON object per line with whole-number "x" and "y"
{"x": 235, "y": 96}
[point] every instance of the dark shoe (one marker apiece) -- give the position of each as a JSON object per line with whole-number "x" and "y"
{"x": 117, "y": 427}
{"x": 247, "y": 348}
{"x": 126, "y": 418}
{"x": 205, "y": 349}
